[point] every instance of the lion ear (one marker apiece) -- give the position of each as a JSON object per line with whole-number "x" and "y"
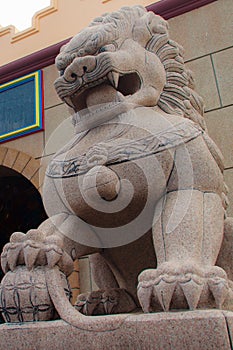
{"x": 63, "y": 47}
{"x": 156, "y": 23}
{"x": 148, "y": 25}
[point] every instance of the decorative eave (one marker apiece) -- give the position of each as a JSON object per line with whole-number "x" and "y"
{"x": 16, "y": 35}
{"x": 172, "y": 8}
{"x": 54, "y": 24}
{"x": 46, "y": 56}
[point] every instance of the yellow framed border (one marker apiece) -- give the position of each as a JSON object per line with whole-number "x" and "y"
{"x": 38, "y": 118}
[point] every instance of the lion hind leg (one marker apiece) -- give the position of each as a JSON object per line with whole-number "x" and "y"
{"x": 225, "y": 257}
{"x": 187, "y": 238}
{"x": 110, "y": 298}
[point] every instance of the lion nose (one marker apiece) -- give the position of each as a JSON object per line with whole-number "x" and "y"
{"x": 79, "y": 67}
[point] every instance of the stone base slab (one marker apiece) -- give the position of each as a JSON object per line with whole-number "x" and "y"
{"x": 191, "y": 330}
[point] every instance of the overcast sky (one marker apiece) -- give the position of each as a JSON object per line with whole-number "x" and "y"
{"x": 20, "y": 12}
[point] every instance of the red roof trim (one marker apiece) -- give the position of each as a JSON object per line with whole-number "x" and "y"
{"x": 172, "y": 8}
{"x": 30, "y": 63}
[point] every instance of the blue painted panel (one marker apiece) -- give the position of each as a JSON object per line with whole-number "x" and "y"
{"x": 21, "y": 106}
{"x": 17, "y": 106}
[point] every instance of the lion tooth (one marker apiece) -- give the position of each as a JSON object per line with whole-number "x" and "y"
{"x": 69, "y": 102}
{"x": 113, "y": 77}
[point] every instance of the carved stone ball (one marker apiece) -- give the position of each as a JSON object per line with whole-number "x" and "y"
{"x": 24, "y": 296}
{"x": 101, "y": 181}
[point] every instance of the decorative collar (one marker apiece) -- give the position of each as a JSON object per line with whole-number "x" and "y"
{"x": 121, "y": 150}
{"x": 94, "y": 116}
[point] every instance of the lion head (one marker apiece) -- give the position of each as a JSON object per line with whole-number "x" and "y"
{"x": 127, "y": 55}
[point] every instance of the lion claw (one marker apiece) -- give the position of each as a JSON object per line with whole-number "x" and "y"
{"x": 220, "y": 291}
{"x": 4, "y": 262}
{"x": 180, "y": 286}
{"x": 105, "y": 302}
{"x": 13, "y": 254}
{"x": 145, "y": 296}
{"x": 86, "y": 304}
{"x": 172, "y": 285}
{"x": 218, "y": 285}
{"x": 53, "y": 256}
{"x": 17, "y": 237}
{"x": 33, "y": 249}
{"x": 109, "y": 302}
{"x": 30, "y": 255}
{"x": 192, "y": 292}
{"x": 164, "y": 292}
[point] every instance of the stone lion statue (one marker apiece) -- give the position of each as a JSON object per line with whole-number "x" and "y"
{"x": 140, "y": 186}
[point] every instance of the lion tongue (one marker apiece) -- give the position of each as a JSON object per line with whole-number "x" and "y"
{"x": 101, "y": 94}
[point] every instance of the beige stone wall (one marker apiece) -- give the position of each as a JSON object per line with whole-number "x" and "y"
{"x": 207, "y": 36}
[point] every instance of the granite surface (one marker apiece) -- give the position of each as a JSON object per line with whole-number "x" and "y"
{"x": 202, "y": 330}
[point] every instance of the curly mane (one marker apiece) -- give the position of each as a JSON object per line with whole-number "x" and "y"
{"x": 178, "y": 95}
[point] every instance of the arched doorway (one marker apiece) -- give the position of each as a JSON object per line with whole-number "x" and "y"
{"x": 21, "y": 208}
{"x": 21, "y": 205}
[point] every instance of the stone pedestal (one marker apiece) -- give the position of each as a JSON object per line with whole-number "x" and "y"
{"x": 192, "y": 330}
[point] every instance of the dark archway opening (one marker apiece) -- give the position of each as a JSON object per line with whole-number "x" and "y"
{"x": 21, "y": 206}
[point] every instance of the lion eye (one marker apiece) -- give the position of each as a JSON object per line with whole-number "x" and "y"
{"x": 109, "y": 48}
{"x": 102, "y": 49}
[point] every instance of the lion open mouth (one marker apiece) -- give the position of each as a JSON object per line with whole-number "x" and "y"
{"x": 112, "y": 88}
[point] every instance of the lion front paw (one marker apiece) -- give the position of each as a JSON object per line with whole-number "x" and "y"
{"x": 35, "y": 249}
{"x": 105, "y": 302}
{"x": 176, "y": 286}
